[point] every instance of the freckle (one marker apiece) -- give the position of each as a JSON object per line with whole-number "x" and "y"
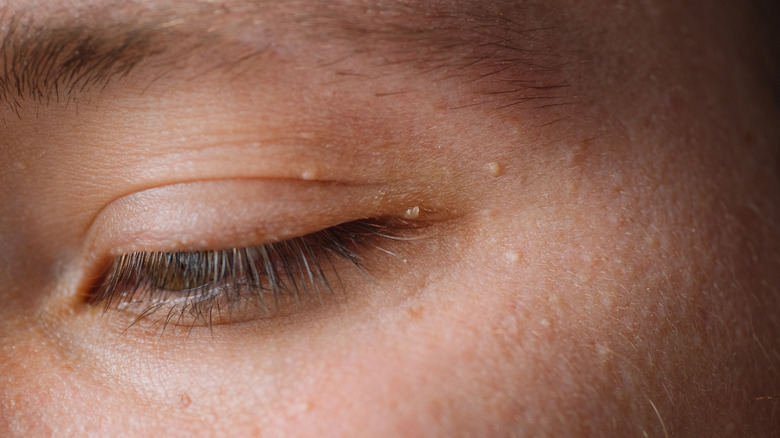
{"x": 412, "y": 213}
{"x": 495, "y": 168}
{"x": 513, "y": 256}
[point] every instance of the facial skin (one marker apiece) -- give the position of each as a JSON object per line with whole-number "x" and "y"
{"x": 596, "y": 251}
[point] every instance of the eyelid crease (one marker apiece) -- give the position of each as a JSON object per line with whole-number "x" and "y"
{"x": 188, "y": 216}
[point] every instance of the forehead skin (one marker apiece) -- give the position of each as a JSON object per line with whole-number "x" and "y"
{"x": 617, "y": 276}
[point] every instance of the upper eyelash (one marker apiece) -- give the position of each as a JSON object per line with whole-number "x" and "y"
{"x": 294, "y": 268}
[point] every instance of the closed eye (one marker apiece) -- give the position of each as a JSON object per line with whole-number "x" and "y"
{"x": 212, "y": 287}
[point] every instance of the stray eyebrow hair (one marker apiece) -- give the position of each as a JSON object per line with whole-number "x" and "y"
{"x": 55, "y": 58}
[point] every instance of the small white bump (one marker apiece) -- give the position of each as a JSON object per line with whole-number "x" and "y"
{"x": 309, "y": 175}
{"x": 412, "y": 213}
{"x": 513, "y": 256}
{"x": 495, "y": 168}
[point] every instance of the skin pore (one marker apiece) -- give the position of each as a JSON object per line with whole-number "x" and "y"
{"x": 577, "y": 201}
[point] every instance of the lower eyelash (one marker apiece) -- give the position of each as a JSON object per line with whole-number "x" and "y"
{"x": 207, "y": 287}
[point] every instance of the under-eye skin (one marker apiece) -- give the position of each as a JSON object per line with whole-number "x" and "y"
{"x": 212, "y": 287}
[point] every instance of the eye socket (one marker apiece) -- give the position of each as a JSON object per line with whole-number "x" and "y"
{"x": 207, "y": 288}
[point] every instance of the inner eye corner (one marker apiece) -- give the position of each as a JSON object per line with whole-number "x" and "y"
{"x": 89, "y": 286}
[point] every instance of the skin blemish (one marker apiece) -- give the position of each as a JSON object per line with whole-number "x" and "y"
{"x": 412, "y": 213}
{"x": 304, "y": 407}
{"x": 310, "y": 174}
{"x": 415, "y": 312}
{"x": 185, "y": 401}
{"x": 513, "y": 256}
{"x": 495, "y": 168}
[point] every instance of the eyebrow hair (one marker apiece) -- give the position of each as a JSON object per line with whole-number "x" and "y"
{"x": 46, "y": 59}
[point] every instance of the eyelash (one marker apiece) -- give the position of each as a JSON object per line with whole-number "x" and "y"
{"x": 224, "y": 286}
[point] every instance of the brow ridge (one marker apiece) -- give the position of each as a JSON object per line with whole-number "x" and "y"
{"x": 56, "y": 58}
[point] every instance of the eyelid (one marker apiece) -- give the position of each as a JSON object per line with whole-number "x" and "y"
{"x": 227, "y": 214}
{"x": 215, "y": 287}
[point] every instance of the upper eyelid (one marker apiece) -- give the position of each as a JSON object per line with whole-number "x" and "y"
{"x": 264, "y": 210}
{"x": 243, "y": 213}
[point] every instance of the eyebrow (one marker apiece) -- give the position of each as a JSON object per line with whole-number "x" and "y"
{"x": 56, "y": 57}
{"x": 45, "y": 60}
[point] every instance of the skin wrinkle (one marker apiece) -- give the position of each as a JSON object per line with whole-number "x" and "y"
{"x": 504, "y": 60}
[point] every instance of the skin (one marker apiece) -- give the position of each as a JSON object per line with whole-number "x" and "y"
{"x": 606, "y": 265}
